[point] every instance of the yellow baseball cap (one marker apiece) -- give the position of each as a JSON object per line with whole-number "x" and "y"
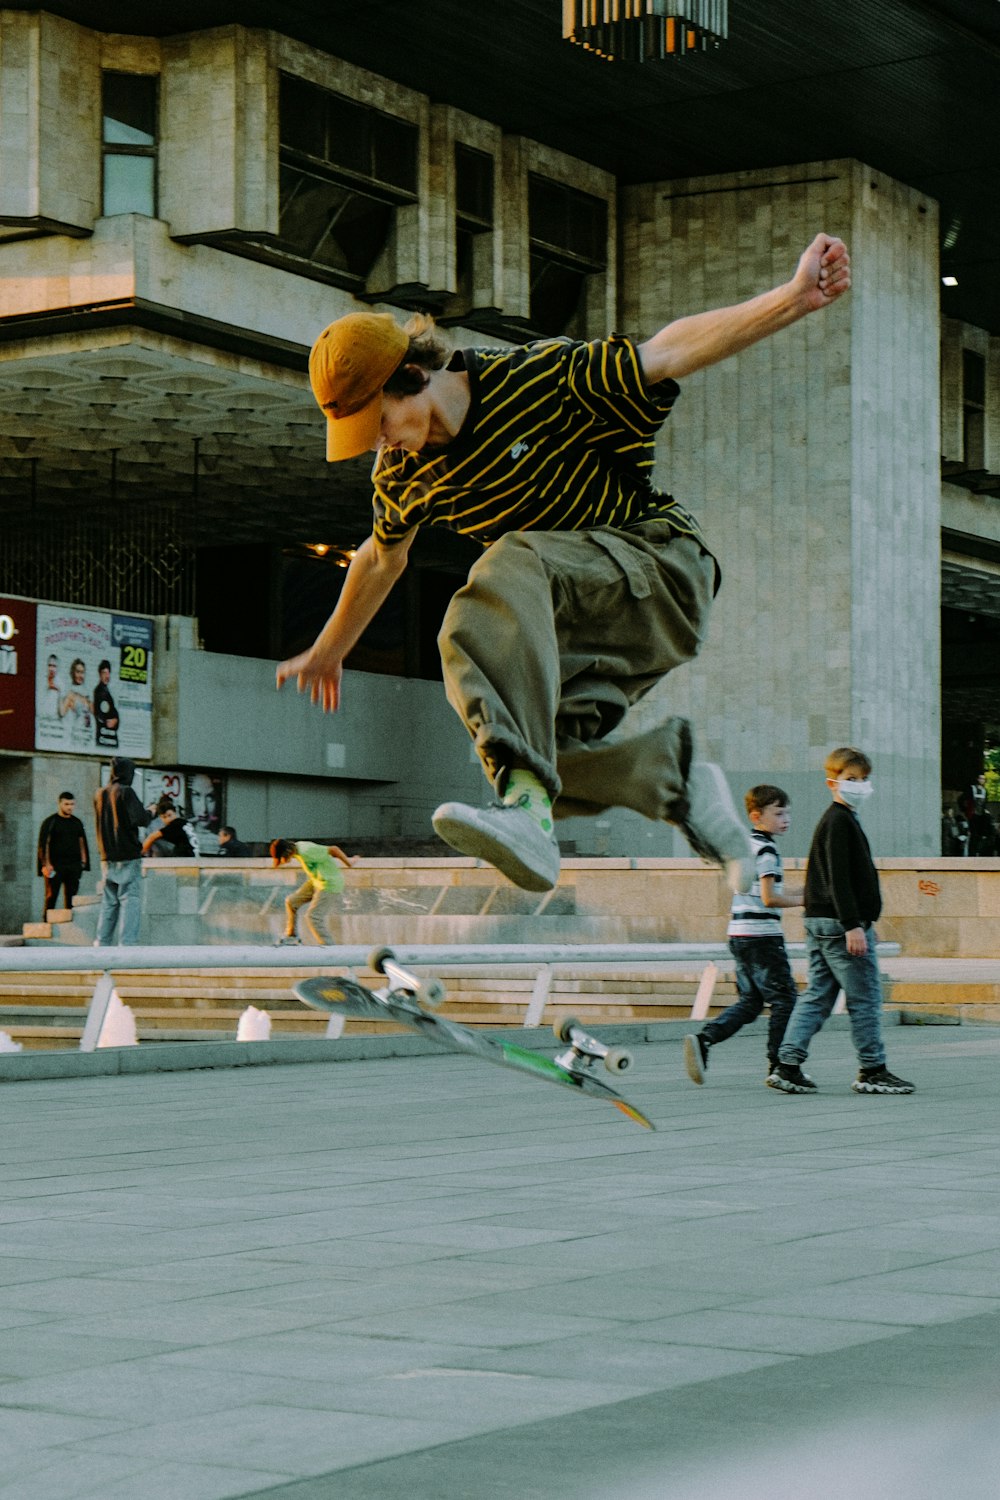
{"x": 349, "y": 364}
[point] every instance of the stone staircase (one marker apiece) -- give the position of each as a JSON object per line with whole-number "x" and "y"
{"x": 44, "y": 1011}
{"x": 457, "y": 902}
{"x": 48, "y": 1010}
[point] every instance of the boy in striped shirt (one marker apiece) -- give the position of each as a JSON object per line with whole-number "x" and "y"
{"x": 593, "y": 584}
{"x": 763, "y": 974}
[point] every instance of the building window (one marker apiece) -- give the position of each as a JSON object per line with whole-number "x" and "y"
{"x": 129, "y": 144}
{"x": 973, "y": 409}
{"x": 345, "y": 169}
{"x": 568, "y": 240}
{"x": 473, "y": 225}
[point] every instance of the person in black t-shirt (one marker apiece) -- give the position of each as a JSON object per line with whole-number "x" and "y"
{"x": 105, "y": 712}
{"x": 172, "y": 835}
{"x": 63, "y": 854}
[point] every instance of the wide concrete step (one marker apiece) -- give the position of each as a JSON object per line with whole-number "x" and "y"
{"x": 43, "y": 1010}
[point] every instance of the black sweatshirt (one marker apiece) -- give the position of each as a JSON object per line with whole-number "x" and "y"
{"x": 841, "y": 879}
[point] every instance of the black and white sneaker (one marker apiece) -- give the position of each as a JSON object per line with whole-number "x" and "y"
{"x": 881, "y": 1081}
{"x": 696, "y": 1057}
{"x": 790, "y": 1079}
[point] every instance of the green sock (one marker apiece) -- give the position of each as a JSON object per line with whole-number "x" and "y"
{"x": 524, "y": 789}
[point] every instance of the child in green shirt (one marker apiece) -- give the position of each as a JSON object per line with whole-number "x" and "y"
{"x": 323, "y": 881}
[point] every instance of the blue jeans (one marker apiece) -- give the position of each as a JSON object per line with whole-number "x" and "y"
{"x": 763, "y": 977}
{"x": 122, "y": 893}
{"x": 831, "y": 969}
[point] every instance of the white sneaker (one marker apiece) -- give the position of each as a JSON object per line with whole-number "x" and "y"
{"x": 714, "y": 829}
{"x": 506, "y": 836}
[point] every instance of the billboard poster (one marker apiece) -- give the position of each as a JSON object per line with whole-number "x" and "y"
{"x": 17, "y": 674}
{"x": 205, "y": 808}
{"x": 93, "y": 682}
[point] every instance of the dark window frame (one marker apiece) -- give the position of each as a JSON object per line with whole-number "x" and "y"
{"x": 362, "y": 187}
{"x": 973, "y": 409}
{"x": 558, "y": 261}
{"x": 149, "y": 151}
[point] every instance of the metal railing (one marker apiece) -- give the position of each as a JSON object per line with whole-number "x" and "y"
{"x": 548, "y": 961}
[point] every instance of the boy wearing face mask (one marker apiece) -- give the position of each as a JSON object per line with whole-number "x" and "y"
{"x": 843, "y": 902}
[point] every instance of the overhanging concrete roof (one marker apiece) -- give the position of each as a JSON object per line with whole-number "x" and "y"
{"x": 911, "y": 87}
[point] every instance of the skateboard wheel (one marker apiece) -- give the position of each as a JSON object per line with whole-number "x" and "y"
{"x": 617, "y": 1060}
{"x": 378, "y": 957}
{"x": 564, "y": 1027}
{"x": 431, "y": 993}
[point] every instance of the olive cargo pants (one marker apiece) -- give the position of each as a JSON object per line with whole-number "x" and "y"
{"x": 555, "y": 635}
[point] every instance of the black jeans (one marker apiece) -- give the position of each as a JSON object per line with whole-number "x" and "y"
{"x": 763, "y": 977}
{"x": 68, "y": 881}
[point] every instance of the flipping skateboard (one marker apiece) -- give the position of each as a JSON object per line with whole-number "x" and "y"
{"x": 411, "y": 1001}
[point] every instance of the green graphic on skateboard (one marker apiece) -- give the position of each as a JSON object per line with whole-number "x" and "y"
{"x": 410, "y": 1001}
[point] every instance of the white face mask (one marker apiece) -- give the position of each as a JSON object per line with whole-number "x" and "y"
{"x": 854, "y": 793}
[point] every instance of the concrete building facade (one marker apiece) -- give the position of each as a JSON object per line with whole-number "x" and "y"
{"x": 158, "y": 295}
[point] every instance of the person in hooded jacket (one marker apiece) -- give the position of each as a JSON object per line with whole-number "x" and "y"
{"x": 119, "y": 815}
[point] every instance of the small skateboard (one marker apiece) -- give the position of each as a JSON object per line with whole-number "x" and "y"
{"x": 411, "y": 1000}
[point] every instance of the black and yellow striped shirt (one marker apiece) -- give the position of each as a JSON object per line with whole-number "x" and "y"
{"x": 559, "y": 436}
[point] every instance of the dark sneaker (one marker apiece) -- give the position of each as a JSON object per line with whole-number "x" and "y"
{"x": 506, "y": 836}
{"x": 696, "y": 1057}
{"x": 790, "y": 1079}
{"x": 714, "y": 829}
{"x": 881, "y": 1081}
{"x": 288, "y": 942}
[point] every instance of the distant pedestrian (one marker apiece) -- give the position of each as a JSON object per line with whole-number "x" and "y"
{"x": 230, "y": 846}
{"x": 171, "y": 839}
{"x": 843, "y": 902}
{"x": 323, "y": 881}
{"x": 63, "y": 854}
{"x": 119, "y": 815}
{"x": 756, "y": 941}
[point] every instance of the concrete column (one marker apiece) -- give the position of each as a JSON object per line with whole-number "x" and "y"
{"x": 811, "y": 461}
{"x": 50, "y": 122}
{"x": 219, "y": 123}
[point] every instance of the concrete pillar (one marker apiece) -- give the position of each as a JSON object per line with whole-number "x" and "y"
{"x": 219, "y": 123}
{"x": 50, "y": 123}
{"x": 812, "y": 463}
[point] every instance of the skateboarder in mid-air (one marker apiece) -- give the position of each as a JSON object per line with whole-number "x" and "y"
{"x": 593, "y": 585}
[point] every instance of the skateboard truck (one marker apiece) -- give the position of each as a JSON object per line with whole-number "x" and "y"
{"x": 585, "y": 1051}
{"x": 426, "y": 992}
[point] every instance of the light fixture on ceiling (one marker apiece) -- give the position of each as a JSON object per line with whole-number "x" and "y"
{"x": 645, "y": 30}
{"x": 949, "y": 281}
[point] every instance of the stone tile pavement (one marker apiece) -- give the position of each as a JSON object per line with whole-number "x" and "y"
{"x": 426, "y": 1278}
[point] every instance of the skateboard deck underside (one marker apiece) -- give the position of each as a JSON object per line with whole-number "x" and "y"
{"x": 341, "y": 996}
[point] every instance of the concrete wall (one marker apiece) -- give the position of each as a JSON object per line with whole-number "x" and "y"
{"x": 378, "y": 767}
{"x": 935, "y": 908}
{"x": 811, "y": 461}
{"x": 50, "y": 121}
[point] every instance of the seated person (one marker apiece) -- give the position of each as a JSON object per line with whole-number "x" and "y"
{"x": 171, "y": 838}
{"x": 232, "y": 847}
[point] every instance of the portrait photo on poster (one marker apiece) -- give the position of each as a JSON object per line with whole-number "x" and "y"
{"x": 93, "y": 682}
{"x": 206, "y": 813}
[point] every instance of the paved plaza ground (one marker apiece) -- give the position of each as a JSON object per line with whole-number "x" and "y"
{"x": 432, "y": 1279}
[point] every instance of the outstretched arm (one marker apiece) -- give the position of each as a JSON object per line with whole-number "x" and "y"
{"x": 688, "y": 344}
{"x": 345, "y": 859}
{"x": 370, "y": 578}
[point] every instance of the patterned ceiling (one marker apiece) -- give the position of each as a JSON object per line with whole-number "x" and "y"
{"x": 134, "y": 421}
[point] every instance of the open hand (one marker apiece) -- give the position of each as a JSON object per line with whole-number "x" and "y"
{"x": 313, "y": 675}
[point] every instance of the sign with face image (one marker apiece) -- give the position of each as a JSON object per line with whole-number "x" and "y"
{"x": 93, "y": 682}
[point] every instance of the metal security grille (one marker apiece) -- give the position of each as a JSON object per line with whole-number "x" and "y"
{"x": 134, "y": 563}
